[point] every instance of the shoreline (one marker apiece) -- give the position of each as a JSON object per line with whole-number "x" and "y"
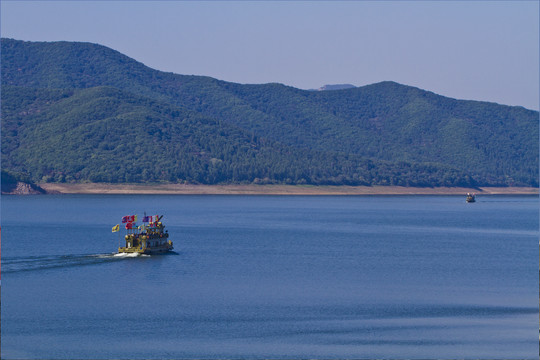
{"x": 182, "y": 189}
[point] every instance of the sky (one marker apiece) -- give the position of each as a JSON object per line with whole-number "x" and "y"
{"x": 475, "y": 50}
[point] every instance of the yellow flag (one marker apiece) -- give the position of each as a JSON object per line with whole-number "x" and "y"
{"x": 116, "y": 228}
{"x": 135, "y": 218}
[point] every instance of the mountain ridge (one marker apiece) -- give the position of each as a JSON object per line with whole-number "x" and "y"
{"x": 384, "y": 122}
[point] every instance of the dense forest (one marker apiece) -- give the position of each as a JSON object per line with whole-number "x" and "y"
{"x": 76, "y": 112}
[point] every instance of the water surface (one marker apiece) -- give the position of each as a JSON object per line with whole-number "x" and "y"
{"x": 272, "y": 277}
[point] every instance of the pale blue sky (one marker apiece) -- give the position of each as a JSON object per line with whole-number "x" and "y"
{"x": 480, "y": 50}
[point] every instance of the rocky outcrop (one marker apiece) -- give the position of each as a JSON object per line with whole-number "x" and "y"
{"x": 22, "y": 188}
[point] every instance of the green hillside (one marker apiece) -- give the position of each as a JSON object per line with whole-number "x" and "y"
{"x": 104, "y": 134}
{"x": 83, "y": 112}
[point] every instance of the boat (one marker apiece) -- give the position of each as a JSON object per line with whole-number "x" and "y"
{"x": 148, "y": 238}
{"x": 470, "y": 198}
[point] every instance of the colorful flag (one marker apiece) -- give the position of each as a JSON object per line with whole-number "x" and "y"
{"x": 116, "y": 228}
{"x": 129, "y": 225}
{"x": 145, "y": 219}
{"x": 135, "y": 218}
{"x": 124, "y": 219}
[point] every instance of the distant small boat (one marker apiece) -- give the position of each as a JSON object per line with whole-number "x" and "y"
{"x": 470, "y": 198}
{"x": 147, "y": 238}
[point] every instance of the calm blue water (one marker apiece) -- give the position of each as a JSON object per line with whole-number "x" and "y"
{"x": 272, "y": 277}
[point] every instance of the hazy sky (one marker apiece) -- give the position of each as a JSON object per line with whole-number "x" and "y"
{"x": 479, "y": 50}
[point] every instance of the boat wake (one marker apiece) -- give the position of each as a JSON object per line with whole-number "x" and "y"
{"x": 129, "y": 255}
{"x": 35, "y": 263}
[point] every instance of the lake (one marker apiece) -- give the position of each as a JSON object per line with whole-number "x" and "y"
{"x": 272, "y": 277}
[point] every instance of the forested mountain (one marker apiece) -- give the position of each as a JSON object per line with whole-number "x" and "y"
{"x": 83, "y": 112}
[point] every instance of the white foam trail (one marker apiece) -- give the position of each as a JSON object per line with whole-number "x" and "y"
{"x": 130, "y": 255}
{"x": 122, "y": 254}
{"x": 103, "y": 256}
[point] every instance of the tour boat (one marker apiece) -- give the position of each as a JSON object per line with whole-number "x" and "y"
{"x": 147, "y": 238}
{"x": 470, "y": 198}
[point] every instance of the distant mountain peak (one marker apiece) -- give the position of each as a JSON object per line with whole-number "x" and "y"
{"x": 335, "y": 87}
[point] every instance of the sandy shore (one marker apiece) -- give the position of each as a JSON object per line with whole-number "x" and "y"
{"x": 274, "y": 190}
